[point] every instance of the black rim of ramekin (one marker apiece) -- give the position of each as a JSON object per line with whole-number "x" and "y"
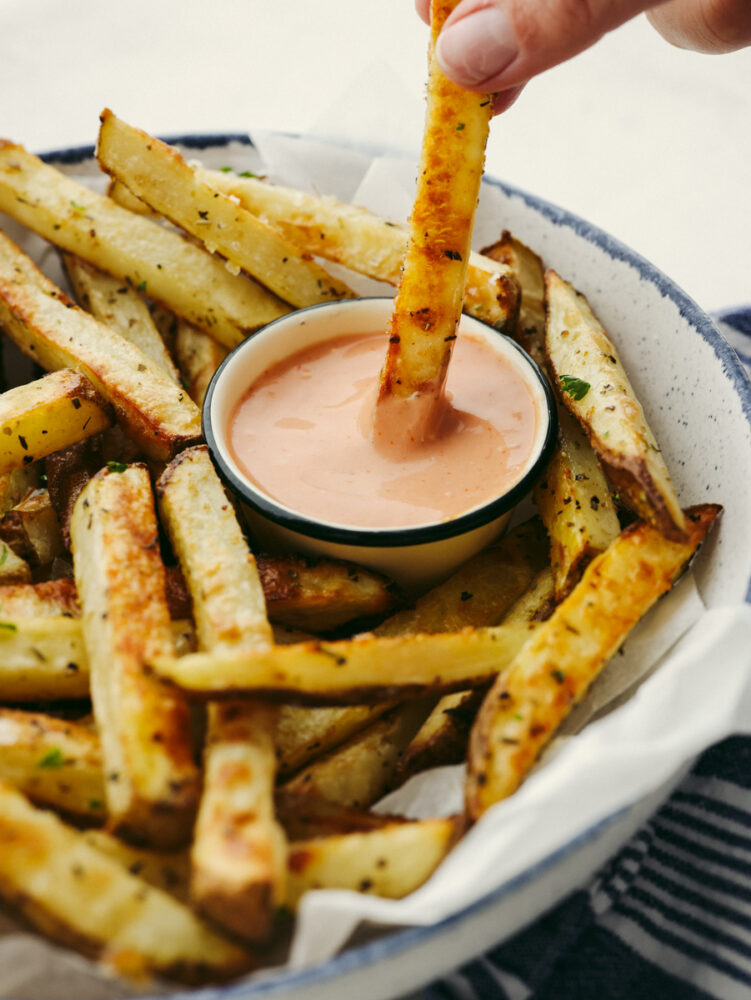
{"x": 380, "y": 537}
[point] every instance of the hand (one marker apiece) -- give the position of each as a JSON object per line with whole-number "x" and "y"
{"x": 497, "y": 46}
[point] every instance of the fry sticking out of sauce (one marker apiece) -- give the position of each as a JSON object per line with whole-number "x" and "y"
{"x": 429, "y": 301}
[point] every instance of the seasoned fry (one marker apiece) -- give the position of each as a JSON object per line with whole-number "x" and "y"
{"x": 431, "y": 291}
{"x": 556, "y": 667}
{"x": 165, "y": 870}
{"x": 86, "y": 900}
{"x": 573, "y": 497}
{"x": 55, "y": 598}
{"x": 576, "y": 505}
{"x": 152, "y": 782}
{"x": 306, "y": 733}
{"x": 391, "y": 861}
{"x": 319, "y": 595}
{"x": 134, "y": 249}
{"x": 44, "y": 416}
{"x": 32, "y": 529}
{"x": 595, "y": 387}
{"x": 48, "y": 327}
{"x": 54, "y": 762}
{"x": 157, "y": 173}
{"x": 363, "y": 769}
{"x": 118, "y": 305}
{"x": 350, "y": 671}
{"x": 13, "y": 569}
{"x": 239, "y": 850}
{"x": 43, "y": 659}
{"x": 364, "y": 242}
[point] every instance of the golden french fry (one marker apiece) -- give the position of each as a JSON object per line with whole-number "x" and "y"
{"x": 54, "y": 762}
{"x": 134, "y": 249}
{"x": 594, "y": 386}
{"x": 555, "y": 669}
{"x": 40, "y": 417}
{"x": 239, "y": 850}
{"x": 82, "y": 898}
{"x": 120, "y": 306}
{"x": 157, "y": 173}
{"x": 431, "y": 291}
{"x": 391, "y": 861}
{"x": 53, "y": 331}
{"x": 152, "y": 782}
{"x": 350, "y": 671}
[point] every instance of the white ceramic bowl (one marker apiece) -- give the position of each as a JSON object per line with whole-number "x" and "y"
{"x": 415, "y": 557}
{"x": 698, "y": 401}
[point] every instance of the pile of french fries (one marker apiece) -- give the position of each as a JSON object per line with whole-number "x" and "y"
{"x": 193, "y": 733}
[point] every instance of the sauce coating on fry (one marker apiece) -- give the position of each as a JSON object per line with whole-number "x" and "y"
{"x": 303, "y": 433}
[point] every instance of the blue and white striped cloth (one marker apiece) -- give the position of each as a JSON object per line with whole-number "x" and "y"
{"x": 669, "y": 918}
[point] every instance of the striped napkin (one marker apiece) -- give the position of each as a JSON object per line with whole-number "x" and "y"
{"x": 669, "y": 918}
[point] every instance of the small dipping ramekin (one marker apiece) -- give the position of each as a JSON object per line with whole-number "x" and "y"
{"x": 415, "y": 557}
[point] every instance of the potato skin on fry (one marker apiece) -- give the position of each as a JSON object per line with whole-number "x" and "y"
{"x": 555, "y": 669}
{"x": 152, "y": 782}
{"x": 606, "y": 406}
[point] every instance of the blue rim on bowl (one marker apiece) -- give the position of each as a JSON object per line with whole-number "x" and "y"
{"x": 366, "y": 957}
{"x": 382, "y": 537}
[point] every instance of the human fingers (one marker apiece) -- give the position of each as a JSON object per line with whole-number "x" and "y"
{"x": 704, "y": 25}
{"x": 423, "y": 9}
{"x": 493, "y": 45}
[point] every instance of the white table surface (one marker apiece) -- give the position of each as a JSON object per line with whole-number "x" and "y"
{"x": 651, "y": 143}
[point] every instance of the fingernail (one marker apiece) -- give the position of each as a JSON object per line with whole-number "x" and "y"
{"x": 477, "y": 47}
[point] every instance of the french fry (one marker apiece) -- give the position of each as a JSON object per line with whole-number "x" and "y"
{"x": 431, "y": 291}
{"x": 555, "y": 669}
{"x": 362, "y": 769}
{"x": 48, "y": 598}
{"x": 573, "y": 497}
{"x": 48, "y": 327}
{"x": 165, "y": 870}
{"x": 391, "y": 861}
{"x": 594, "y": 386}
{"x": 575, "y": 504}
{"x": 41, "y": 417}
{"x": 152, "y": 782}
{"x": 134, "y": 249}
{"x": 239, "y": 849}
{"x": 306, "y": 733}
{"x": 82, "y": 898}
{"x": 120, "y": 306}
{"x": 13, "y": 569}
{"x": 319, "y": 595}
{"x": 349, "y": 671}
{"x": 32, "y": 529}
{"x": 356, "y": 238}
{"x": 54, "y": 762}
{"x": 42, "y": 659}
{"x": 158, "y": 175}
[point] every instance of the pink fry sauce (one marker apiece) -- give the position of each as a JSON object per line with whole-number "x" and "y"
{"x": 303, "y": 433}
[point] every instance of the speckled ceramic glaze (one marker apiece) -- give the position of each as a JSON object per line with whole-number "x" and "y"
{"x": 698, "y": 401}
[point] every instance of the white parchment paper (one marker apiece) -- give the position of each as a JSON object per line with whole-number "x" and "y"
{"x": 616, "y": 760}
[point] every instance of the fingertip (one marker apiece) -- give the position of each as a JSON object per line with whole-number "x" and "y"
{"x": 423, "y": 9}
